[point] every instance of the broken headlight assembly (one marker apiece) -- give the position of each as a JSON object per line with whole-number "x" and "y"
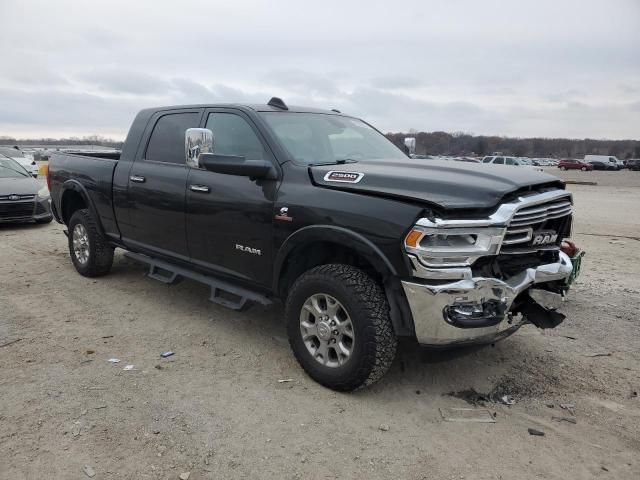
{"x": 453, "y": 247}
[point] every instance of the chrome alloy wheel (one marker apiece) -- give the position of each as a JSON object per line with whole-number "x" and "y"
{"x": 326, "y": 330}
{"x": 80, "y": 240}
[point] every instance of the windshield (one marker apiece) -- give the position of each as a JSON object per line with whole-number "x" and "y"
{"x": 11, "y": 169}
{"x": 312, "y": 138}
{"x": 11, "y": 152}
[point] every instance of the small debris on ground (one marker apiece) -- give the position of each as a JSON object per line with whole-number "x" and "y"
{"x": 507, "y": 400}
{"x": 537, "y": 433}
{"x": 285, "y": 380}
{"x": 75, "y": 430}
{"x": 549, "y": 405}
{"x": 167, "y": 354}
{"x": 99, "y": 407}
{"x": 475, "y": 415}
{"x": 473, "y": 397}
{"x": 129, "y": 367}
{"x": 114, "y": 360}
{"x": 384, "y": 427}
{"x": 89, "y": 471}
{"x": 603, "y": 354}
{"x": 569, "y": 407}
{"x": 90, "y": 352}
{"x": 185, "y": 476}
{"x": 565, "y": 419}
{"x": 10, "y": 343}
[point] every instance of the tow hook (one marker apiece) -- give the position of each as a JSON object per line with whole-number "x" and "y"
{"x": 540, "y": 316}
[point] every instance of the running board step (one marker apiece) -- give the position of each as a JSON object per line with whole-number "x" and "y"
{"x": 220, "y": 290}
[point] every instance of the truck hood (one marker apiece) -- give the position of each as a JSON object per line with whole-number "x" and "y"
{"x": 448, "y": 184}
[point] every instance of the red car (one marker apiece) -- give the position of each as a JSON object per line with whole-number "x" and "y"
{"x": 570, "y": 164}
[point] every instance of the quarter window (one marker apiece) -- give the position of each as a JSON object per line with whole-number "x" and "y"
{"x": 167, "y": 139}
{"x": 499, "y": 160}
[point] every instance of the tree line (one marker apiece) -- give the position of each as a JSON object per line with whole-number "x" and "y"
{"x": 98, "y": 140}
{"x": 435, "y": 143}
{"x": 461, "y": 144}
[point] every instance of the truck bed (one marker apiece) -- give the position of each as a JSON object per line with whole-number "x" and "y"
{"x": 91, "y": 174}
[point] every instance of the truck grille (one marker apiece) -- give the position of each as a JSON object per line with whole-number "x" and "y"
{"x": 553, "y": 217}
{"x": 16, "y": 210}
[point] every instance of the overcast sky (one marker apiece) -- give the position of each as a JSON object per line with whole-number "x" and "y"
{"x": 550, "y": 68}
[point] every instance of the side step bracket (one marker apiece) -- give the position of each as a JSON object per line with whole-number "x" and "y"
{"x": 222, "y": 292}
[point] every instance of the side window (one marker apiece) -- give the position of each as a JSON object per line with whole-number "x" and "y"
{"x": 487, "y": 159}
{"x": 499, "y": 160}
{"x": 232, "y": 135}
{"x": 510, "y": 161}
{"x": 167, "y": 139}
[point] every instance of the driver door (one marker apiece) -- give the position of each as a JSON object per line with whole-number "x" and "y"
{"x": 229, "y": 217}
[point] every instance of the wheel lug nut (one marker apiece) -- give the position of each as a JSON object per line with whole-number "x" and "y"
{"x": 335, "y": 332}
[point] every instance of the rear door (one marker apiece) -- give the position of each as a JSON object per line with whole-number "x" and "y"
{"x": 157, "y": 185}
{"x": 229, "y": 218}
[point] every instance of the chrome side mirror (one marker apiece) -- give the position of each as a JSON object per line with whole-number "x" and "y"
{"x": 196, "y": 142}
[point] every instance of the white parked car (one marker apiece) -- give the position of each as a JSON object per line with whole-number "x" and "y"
{"x": 24, "y": 159}
{"x": 502, "y": 160}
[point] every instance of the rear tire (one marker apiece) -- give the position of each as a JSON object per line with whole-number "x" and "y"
{"x": 584, "y": 169}
{"x": 90, "y": 253}
{"x": 563, "y": 168}
{"x": 338, "y": 360}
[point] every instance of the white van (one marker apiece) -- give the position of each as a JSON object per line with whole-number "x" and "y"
{"x": 606, "y": 159}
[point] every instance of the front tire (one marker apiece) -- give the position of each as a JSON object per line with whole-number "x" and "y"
{"x": 90, "y": 253}
{"x": 584, "y": 169}
{"x": 339, "y": 327}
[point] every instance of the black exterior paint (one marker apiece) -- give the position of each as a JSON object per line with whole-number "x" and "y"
{"x": 164, "y": 218}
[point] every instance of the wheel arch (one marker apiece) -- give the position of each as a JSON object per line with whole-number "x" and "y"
{"x": 75, "y": 197}
{"x": 321, "y": 244}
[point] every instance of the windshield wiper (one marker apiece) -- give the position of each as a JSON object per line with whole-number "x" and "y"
{"x": 340, "y": 161}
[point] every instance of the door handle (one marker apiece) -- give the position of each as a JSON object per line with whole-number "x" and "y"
{"x": 137, "y": 178}
{"x": 199, "y": 188}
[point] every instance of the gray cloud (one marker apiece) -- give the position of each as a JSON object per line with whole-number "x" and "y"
{"x": 536, "y": 67}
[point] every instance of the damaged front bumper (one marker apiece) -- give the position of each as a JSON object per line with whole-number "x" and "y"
{"x": 479, "y": 310}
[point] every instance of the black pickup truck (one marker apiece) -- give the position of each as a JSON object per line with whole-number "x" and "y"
{"x": 319, "y": 210}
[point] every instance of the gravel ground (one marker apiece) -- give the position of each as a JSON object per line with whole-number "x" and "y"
{"x": 216, "y": 408}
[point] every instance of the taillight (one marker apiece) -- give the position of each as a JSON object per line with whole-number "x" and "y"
{"x": 48, "y": 176}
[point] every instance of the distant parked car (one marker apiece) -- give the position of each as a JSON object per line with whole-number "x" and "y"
{"x": 633, "y": 164}
{"x": 24, "y": 159}
{"x": 502, "y": 160}
{"x": 606, "y": 159}
{"x": 22, "y": 199}
{"x": 603, "y": 166}
{"x": 572, "y": 164}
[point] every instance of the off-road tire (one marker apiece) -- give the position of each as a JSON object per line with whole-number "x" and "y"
{"x": 100, "y": 252}
{"x": 375, "y": 341}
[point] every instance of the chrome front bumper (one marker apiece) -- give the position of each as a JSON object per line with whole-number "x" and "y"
{"x": 444, "y": 314}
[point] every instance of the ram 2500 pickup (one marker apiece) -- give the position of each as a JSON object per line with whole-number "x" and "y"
{"x": 319, "y": 210}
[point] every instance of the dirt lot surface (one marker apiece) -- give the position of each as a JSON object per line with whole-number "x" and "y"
{"x": 216, "y": 408}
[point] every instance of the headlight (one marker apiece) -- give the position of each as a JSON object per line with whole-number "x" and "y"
{"x": 43, "y": 192}
{"x": 453, "y": 247}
